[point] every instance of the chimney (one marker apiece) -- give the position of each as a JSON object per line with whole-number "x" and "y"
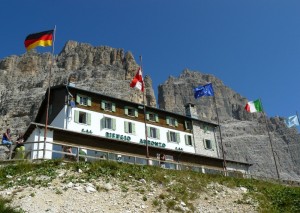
{"x": 191, "y": 110}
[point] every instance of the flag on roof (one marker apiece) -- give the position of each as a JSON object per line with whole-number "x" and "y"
{"x": 254, "y": 106}
{"x": 137, "y": 81}
{"x": 206, "y": 90}
{"x": 39, "y": 39}
{"x": 292, "y": 121}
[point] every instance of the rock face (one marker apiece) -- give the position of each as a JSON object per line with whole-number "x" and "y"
{"x": 245, "y": 136}
{"x": 24, "y": 79}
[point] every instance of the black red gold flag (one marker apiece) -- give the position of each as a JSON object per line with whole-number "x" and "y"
{"x": 39, "y": 39}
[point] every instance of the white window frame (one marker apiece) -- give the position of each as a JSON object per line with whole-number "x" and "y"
{"x": 104, "y": 122}
{"x": 129, "y": 127}
{"x": 173, "y": 137}
{"x": 205, "y": 144}
{"x": 77, "y": 117}
{"x": 112, "y": 107}
{"x": 153, "y": 132}
{"x": 80, "y": 100}
{"x": 171, "y": 121}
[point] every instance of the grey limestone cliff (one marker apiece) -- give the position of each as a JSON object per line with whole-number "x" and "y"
{"x": 24, "y": 79}
{"x": 244, "y": 134}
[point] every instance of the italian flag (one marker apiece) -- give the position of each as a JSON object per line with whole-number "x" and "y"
{"x": 253, "y": 106}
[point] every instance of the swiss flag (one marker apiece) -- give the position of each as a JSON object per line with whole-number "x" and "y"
{"x": 137, "y": 81}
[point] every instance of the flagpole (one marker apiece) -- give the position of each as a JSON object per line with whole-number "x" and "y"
{"x": 264, "y": 115}
{"x": 146, "y": 132}
{"x": 48, "y": 98}
{"x": 223, "y": 151}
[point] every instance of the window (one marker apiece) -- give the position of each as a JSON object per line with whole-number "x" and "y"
{"x": 129, "y": 127}
{"x": 131, "y": 111}
{"x": 151, "y": 116}
{"x": 173, "y": 136}
{"x": 83, "y": 100}
{"x": 208, "y": 144}
{"x": 171, "y": 121}
{"x": 188, "y": 140}
{"x": 188, "y": 125}
{"x": 108, "y": 123}
{"x": 108, "y": 106}
{"x": 153, "y": 132}
{"x": 82, "y": 117}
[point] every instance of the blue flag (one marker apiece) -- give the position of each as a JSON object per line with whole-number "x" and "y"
{"x": 292, "y": 121}
{"x": 206, "y": 90}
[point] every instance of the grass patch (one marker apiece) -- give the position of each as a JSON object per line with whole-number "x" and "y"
{"x": 5, "y": 207}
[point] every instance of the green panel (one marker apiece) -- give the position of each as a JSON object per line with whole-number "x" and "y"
{"x": 147, "y": 116}
{"x": 186, "y": 139}
{"x": 126, "y": 110}
{"x": 148, "y": 131}
{"x": 168, "y": 120}
{"x": 88, "y": 115}
{"x": 125, "y": 126}
{"x": 158, "y": 133}
{"x": 113, "y": 123}
{"x": 113, "y": 107}
{"x": 177, "y": 137}
{"x": 133, "y": 128}
{"x": 176, "y": 123}
{"x": 156, "y": 117}
{"x": 168, "y": 136}
{"x": 76, "y": 116}
{"x": 102, "y": 105}
{"x": 78, "y": 98}
{"x": 102, "y": 123}
{"x": 136, "y": 113}
{"x": 89, "y": 101}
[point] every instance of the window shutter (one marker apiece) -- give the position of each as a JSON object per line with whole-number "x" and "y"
{"x": 185, "y": 125}
{"x": 89, "y": 101}
{"x": 88, "y": 118}
{"x": 158, "y": 133}
{"x": 136, "y": 114}
{"x": 126, "y": 110}
{"x": 125, "y": 126}
{"x": 102, "y": 105}
{"x": 113, "y": 107}
{"x": 186, "y": 139}
{"x": 156, "y": 117}
{"x": 177, "y": 137}
{"x": 168, "y": 136}
{"x": 113, "y": 123}
{"x": 148, "y": 131}
{"x": 176, "y": 123}
{"x": 102, "y": 123}
{"x": 133, "y": 128}
{"x": 147, "y": 116}
{"x": 78, "y": 98}
{"x": 76, "y": 116}
{"x": 168, "y": 120}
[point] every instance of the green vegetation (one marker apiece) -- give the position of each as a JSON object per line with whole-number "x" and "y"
{"x": 5, "y": 208}
{"x": 184, "y": 186}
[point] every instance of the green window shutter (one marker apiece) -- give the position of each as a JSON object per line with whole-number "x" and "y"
{"x": 78, "y": 98}
{"x": 156, "y": 117}
{"x": 148, "y": 131}
{"x": 102, "y": 105}
{"x": 113, "y": 107}
{"x": 177, "y": 137}
{"x": 136, "y": 113}
{"x": 147, "y": 116}
{"x": 125, "y": 126}
{"x": 89, "y": 101}
{"x": 158, "y": 133}
{"x": 76, "y": 116}
{"x": 126, "y": 110}
{"x": 133, "y": 128}
{"x": 168, "y": 136}
{"x": 186, "y": 139}
{"x": 176, "y": 123}
{"x": 88, "y": 120}
{"x": 113, "y": 123}
{"x": 185, "y": 125}
{"x": 168, "y": 120}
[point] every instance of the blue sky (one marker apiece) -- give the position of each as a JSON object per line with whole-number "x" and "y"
{"x": 253, "y": 46}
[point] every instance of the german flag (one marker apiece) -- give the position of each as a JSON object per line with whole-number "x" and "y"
{"x": 39, "y": 39}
